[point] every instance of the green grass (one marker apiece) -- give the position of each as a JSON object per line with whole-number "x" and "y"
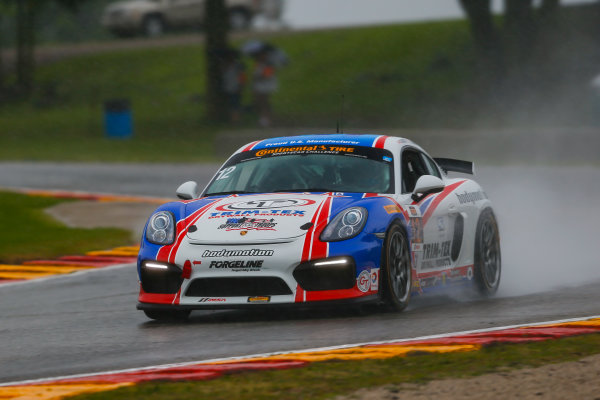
{"x": 28, "y": 233}
{"x": 327, "y": 379}
{"x": 404, "y": 75}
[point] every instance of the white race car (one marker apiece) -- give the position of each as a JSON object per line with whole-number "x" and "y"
{"x": 309, "y": 220}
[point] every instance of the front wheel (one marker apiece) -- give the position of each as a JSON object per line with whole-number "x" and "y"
{"x": 488, "y": 263}
{"x": 396, "y": 271}
{"x": 167, "y": 315}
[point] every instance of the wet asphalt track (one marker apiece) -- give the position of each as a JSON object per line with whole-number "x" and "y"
{"x": 87, "y": 322}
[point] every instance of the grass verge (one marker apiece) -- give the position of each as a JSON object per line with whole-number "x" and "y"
{"x": 28, "y": 233}
{"x": 404, "y": 75}
{"x": 327, "y": 379}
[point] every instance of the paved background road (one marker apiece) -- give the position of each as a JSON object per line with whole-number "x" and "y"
{"x": 84, "y": 323}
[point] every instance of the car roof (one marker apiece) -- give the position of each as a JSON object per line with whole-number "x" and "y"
{"x": 368, "y": 140}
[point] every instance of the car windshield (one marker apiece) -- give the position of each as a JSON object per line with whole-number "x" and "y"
{"x": 308, "y": 168}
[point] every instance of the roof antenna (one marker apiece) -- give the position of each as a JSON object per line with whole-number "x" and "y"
{"x": 340, "y": 122}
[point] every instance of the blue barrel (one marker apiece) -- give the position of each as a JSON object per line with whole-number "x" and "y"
{"x": 118, "y": 121}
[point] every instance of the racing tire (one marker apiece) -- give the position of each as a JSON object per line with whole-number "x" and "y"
{"x": 488, "y": 262}
{"x": 167, "y": 315}
{"x": 396, "y": 269}
{"x": 153, "y": 26}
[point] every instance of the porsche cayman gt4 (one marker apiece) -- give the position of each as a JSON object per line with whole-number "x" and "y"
{"x": 309, "y": 220}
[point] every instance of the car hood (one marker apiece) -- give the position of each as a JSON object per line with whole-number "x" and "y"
{"x": 261, "y": 218}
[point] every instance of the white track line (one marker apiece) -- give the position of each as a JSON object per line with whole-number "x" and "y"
{"x": 263, "y": 355}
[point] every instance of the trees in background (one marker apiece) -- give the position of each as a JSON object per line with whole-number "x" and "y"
{"x": 217, "y": 29}
{"x": 24, "y": 13}
{"x": 516, "y": 39}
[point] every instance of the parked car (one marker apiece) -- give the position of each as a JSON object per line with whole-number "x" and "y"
{"x": 154, "y": 17}
{"x": 311, "y": 220}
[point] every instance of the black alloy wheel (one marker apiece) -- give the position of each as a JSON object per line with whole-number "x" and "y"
{"x": 397, "y": 273}
{"x": 488, "y": 263}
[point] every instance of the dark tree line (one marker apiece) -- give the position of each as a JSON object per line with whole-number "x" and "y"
{"x": 25, "y": 13}
{"x": 517, "y": 36}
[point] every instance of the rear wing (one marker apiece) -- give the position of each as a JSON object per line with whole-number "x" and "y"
{"x": 449, "y": 164}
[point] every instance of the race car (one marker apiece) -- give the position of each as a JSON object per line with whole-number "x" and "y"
{"x": 319, "y": 219}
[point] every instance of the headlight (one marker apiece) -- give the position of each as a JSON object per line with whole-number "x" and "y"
{"x": 345, "y": 225}
{"x": 161, "y": 228}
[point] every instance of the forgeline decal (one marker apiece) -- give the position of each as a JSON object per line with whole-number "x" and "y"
{"x": 471, "y": 197}
{"x": 254, "y": 265}
{"x": 249, "y": 224}
{"x": 363, "y": 282}
{"x": 261, "y": 213}
{"x": 238, "y": 253}
{"x": 316, "y": 149}
{"x": 265, "y": 204}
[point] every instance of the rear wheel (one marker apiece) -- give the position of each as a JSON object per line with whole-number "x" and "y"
{"x": 397, "y": 273}
{"x": 167, "y": 315}
{"x": 488, "y": 263}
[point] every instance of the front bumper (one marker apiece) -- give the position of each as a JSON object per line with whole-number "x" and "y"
{"x": 334, "y": 279}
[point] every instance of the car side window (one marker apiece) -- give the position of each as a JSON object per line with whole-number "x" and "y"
{"x": 413, "y": 167}
{"x": 431, "y": 166}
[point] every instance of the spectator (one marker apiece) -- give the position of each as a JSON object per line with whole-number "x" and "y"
{"x": 234, "y": 80}
{"x": 264, "y": 84}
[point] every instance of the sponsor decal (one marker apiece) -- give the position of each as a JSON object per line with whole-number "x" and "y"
{"x": 259, "y": 299}
{"x": 272, "y": 204}
{"x": 212, "y": 300}
{"x": 417, "y": 247}
{"x": 441, "y": 223}
{"x": 428, "y": 282}
{"x": 436, "y": 250}
{"x": 375, "y": 279}
{"x": 471, "y": 197}
{"x": 386, "y": 158}
{"x": 238, "y": 265}
{"x": 237, "y": 253}
{"x": 470, "y": 273}
{"x": 248, "y": 224}
{"x": 436, "y": 255}
{"x": 392, "y": 209}
{"x": 314, "y": 149}
{"x": 312, "y": 141}
{"x": 363, "y": 282}
{"x": 259, "y": 213}
{"x": 414, "y": 211}
{"x": 416, "y": 230}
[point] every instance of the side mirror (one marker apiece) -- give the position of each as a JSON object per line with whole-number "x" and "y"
{"x": 425, "y": 185}
{"x": 188, "y": 191}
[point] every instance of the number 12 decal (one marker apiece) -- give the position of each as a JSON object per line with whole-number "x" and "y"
{"x": 224, "y": 173}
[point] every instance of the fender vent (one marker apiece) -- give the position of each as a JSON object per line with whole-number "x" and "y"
{"x": 459, "y": 227}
